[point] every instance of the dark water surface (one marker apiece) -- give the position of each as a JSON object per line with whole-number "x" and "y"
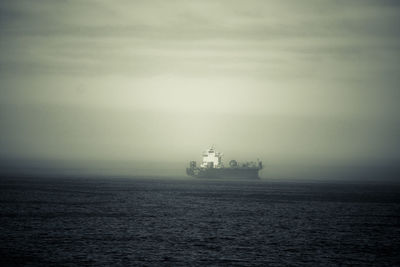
{"x": 196, "y": 222}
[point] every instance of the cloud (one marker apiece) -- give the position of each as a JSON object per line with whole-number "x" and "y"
{"x": 325, "y": 61}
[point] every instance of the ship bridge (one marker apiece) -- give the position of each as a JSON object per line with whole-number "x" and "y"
{"x": 212, "y": 159}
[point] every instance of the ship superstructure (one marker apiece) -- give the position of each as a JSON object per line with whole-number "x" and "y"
{"x": 213, "y": 167}
{"x": 211, "y": 159}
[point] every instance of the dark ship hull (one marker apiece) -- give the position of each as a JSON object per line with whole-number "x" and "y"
{"x": 224, "y": 173}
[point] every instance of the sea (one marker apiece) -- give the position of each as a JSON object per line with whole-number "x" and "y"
{"x": 167, "y": 221}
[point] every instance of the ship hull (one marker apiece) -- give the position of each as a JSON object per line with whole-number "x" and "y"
{"x": 224, "y": 173}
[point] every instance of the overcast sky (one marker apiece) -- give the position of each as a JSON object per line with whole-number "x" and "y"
{"x": 309, "y": 81}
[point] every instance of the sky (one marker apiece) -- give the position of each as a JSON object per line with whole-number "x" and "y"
{"x": 290, "y": 82}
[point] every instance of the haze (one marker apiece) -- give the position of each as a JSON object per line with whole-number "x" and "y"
{"x": 154, "y": 83}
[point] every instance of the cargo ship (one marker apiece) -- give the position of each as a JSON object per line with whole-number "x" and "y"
{"x": 213, "y": 167}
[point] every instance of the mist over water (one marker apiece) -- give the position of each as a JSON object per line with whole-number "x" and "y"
{"x": 80, "y": 141}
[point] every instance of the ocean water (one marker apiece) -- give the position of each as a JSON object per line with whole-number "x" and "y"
{"x": 178, "y": 222}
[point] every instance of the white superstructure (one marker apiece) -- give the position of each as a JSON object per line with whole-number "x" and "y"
{"x": 212, "y": 159}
